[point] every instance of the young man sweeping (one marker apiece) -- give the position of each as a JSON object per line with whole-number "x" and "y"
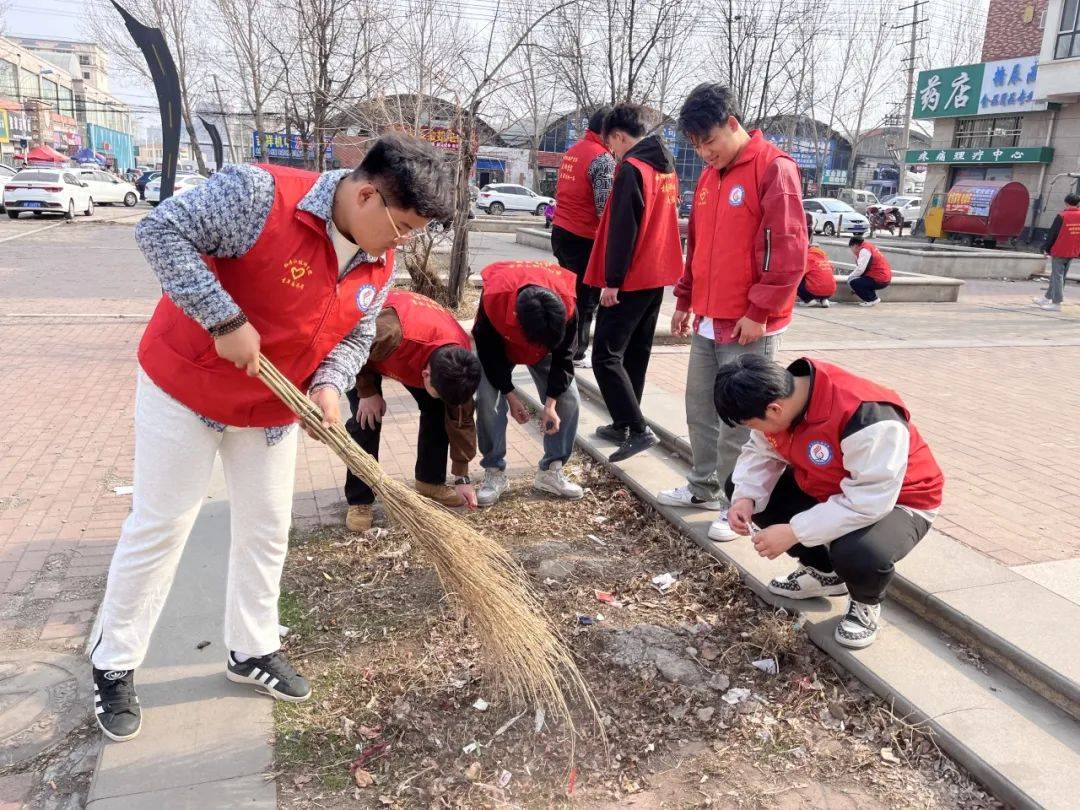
{"x": 526, "y": 316}
{"x": 745, "y": 256}
{"x": 582, "y": 191}
{"x": 836, "y": 475}
{"x": 421, "y": 345}
{"x": 637, "y": 253}
{"x": 260, "y": 258}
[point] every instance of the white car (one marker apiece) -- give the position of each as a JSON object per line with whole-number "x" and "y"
{"x": 498, "y": 197}
{"x": 6, "y": 173}
{"x": 47, "y": 191}
{"x": 832, "y": 217}
{"x": 910, "y": 207}
{"x": 105, "y": 188}
{"x": 184, "y": 182}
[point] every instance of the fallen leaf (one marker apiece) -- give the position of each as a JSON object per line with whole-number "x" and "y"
{"x": 362, "y": 778}
{"x": 472, "y": 773}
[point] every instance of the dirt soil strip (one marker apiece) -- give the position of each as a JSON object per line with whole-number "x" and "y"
{"x": 403, "y": 714}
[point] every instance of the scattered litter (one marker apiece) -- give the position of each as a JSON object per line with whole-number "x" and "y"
{"x": 585, "y": 620}
{"x": 735, "y": 696}
{"x": 481, "y": 705}
{"x": 549, "y": 582}
{"x": 123, "y": 490}
{"x": 664, "y": 582}
{"x": 468, "y": 749}
{"x": 768, "y": 666}
{"x": 599, "y": 519}
{"x": 202, "y": 645}
{"x": 504, "y": 778}
{"x": 282, "y": 631}
{"x": 472, "y": 773}
{"x": 889, "y": 756}
{"x": 605, "y": 597}
{"x": 362, "y": 778}
{"x": 505, "y": 726}
{"x": 596, "y": 540}
{"x": 809, "y": 685}
{"x": 599, "y": 617}
{"x": 573, "y": 780}
{"x": 538, "y": 721}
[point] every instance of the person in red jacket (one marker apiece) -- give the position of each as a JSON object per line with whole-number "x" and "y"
{"x": 835, "y": 474}
{"x": 872, "y": 271}
{"x": 745, "y": 256}
{"x": 581, "y": 193}
{"x": 267, "y": 260}
{"x": 819, "y": 282}
{"x": 420, "y": 344}
{"x": 637, "y": 253}
{"x": 1062, "y": 245}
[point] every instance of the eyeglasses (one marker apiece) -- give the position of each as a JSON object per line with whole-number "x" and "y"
{"x": 398, "y": 235}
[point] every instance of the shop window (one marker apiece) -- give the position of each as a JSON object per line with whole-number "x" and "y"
{"x": 1068, "y": 38}
{"x": 970, "y": 133}
{"x": 9, "y": 84}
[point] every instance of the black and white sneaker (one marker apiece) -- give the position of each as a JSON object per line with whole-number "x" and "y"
{"x": 612, "y": 434}
{"x": 635, "y": 442}
{"x": 271, "y": 673}
{"x": 116, "y": 706}
{"x": 806, "y": 583}
{"x": 859, "y": 626}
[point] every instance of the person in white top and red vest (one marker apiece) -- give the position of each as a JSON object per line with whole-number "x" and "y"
{"x": 419, "y": 343}
{"x": 872, "y": 271}
{"x": 637, "y": 253}
{"x": 581, "y": 193}
{"x": 835, "y": 474}
{"x": 526, "y": 316}
{"x": 745, "y": 256}
{"x": 289, "y": 263}
{"x": 1062, "y": 245}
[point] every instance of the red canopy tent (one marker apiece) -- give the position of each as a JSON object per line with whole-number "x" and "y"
{"x": 45, "y": 154}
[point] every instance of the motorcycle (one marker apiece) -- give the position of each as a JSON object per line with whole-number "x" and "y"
{"x": 885, "y": 219}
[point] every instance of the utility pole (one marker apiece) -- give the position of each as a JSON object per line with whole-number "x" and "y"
{"x": 909, "y": 97}
{"x": 225, "y": 120}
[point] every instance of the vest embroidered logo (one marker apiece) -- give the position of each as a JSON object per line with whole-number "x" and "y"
{"x": 365, "y": 296}
{"x": 295, "y": 271}
{"x": 736, "y": 195}
{"x": 819, "y": 452}
{"x": 702, "y": 195}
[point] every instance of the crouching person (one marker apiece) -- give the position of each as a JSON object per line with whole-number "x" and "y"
{"x": 834, "y": 473}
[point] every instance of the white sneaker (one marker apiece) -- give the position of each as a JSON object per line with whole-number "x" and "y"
{"x": 584, "y": 362}
{"x": 494, "y": 485}
{"x": 806, "y": 583}
{"x": 720, "y": 531}
{"x": 859, "y": 626}
{"x": 1050, "y": 306}
{"x": 553, "y": 482}
{"x": 825, "y": 303}
{"x": 1039, "y": 300}
{"x": 869, "y": 303}
{"x": 681, "y": 496}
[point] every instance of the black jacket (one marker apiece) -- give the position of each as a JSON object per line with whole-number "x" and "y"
{"x": 628, "y": 206}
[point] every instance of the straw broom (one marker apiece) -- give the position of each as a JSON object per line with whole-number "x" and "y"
{"x": 479, "y": 576}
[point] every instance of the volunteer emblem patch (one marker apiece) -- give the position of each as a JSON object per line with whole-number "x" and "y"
{"x": 736, "y": 195}
{"x": 365, "y": 296}
{"x": 819, "y": 452}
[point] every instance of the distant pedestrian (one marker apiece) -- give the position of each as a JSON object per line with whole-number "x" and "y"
{"x": 872, "y": 271}
{"x": 1062, "y": 245}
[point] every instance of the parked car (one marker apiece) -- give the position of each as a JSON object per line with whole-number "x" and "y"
{"x": 184, "y": 182}
{"x": 108, "y": 188}
{"x": 6, "y": 173}
{"x": 496, "y": 198}
{"x": 140, "y": 184}
{"x": 858, "y": 198}
{"x": 910, "y": 207}
{"x": 47, "y": 191}
{"x": 686, "y": 202}
{"x": 832, "y": 216}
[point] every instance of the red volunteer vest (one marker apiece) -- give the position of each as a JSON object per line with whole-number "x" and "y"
{"x": 425, "y": 327}
{"x": 502, "y": 282}
{"x": 657, "y": 259}
{"x": 575, "y": 210}
{"x": 879, "y": 269}
{"x": 820, "y": 279}
{"x": 727, "y": 217}
{"x": 1067, "y": 244}
{"x": 812, "y": 447}
{"x": 287, "y": 286}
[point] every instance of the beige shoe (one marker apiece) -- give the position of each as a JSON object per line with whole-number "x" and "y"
{"x": 358, "y": 518}
{"x": 441, "y": 494}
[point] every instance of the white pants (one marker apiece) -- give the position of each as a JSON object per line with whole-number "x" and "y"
{"x": 174, "y": 459}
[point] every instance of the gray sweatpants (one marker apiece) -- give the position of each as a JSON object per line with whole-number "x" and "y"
{"x": 714, "y": 445}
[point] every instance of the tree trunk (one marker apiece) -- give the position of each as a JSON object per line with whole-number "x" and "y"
{"x": 459, "y": 252}
{"x": 193, "y": 139}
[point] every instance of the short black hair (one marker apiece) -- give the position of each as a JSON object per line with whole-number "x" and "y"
{"x": 625, "y": 117}
{"x": 596, "y": 120}
{"x": 455, "y": 374}
{"x": 411, "y": 174}
{"x": 1072, "y": 199}
{"x": 854, "y": 241}
{"x": 708, "y": 105}
{"x": 542, "y": 315}
{"x": 746, "y": 386}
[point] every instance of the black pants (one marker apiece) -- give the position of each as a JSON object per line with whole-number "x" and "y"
{"x": 432, "y": 444}
{"x": 572, "y": 252}
{"x": 806, "y": 296}
{"x": 864, "y": 558}
{"x": 866, "y": 288}
{"x": 621, "y": 351}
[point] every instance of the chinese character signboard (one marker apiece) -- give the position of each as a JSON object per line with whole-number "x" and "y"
{"x": 1008, "y": 86}
{"x": 970, "y": 200}
{"x": 279, "y": 145}
{"x": 834, "y": 177}
{"x": 982, "y": 155}
{"x": 806, "y": 153}
{"x": 1005, "y": 86}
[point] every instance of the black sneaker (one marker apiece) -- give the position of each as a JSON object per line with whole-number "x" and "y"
{"x": 116, "y": 706}
{"x": 612, "y": 433}
{"x": 272, "y": 674}
{"x": 633, "y": 444}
